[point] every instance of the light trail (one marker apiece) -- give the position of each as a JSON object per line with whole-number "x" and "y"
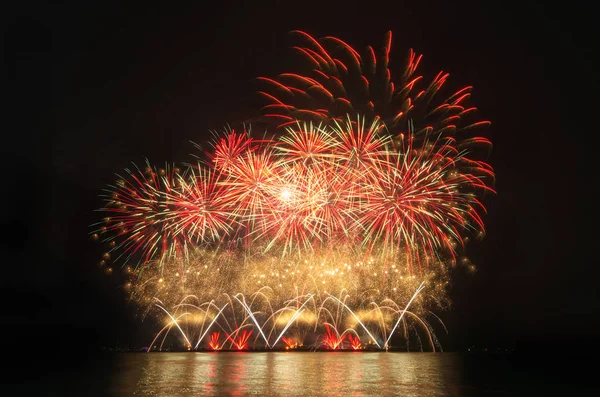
{"x": 404, "y": 311}
{"x": 175, "y": 322}
{"x": 253, "y": 318}
{"x": 357, "y": 319}
{"x": 210, "y": 325}
{"x": 294, "y": 317}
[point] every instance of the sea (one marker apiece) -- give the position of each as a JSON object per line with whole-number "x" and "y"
{"x": 304, "y": 374}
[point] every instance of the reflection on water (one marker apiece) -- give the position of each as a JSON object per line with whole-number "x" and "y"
{"x": 305, "y": 374}
{"x": 295, "y": 374}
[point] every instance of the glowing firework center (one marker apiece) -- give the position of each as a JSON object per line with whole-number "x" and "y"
{"x": 336, "y": 233}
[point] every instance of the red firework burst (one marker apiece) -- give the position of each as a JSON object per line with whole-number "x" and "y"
{"x": 341, "y": 81}
{"x": 228, "y": 148}
{"x": 354, "y": 342}
{"x": 331, "y": 339}
{"x": 214, "y": 342}
{"x": 136, "y": 221}
{"x": 197, "y": 209}
{"x": 421, "y": 202}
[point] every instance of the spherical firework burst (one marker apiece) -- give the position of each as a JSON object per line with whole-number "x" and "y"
{"x": 196, "y": 208}
{"x": 137, "y": 221}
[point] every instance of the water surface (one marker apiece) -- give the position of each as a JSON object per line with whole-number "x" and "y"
{"x": 306, "y": 374}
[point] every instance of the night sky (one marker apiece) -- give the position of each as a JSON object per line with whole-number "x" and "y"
{"x": 91, "y": 88}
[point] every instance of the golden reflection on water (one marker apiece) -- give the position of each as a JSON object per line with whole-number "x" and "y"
{"x": 289, "y": 374}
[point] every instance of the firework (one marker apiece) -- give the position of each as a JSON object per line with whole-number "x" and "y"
{"x": 354, "y": 187}
{"x": 317, "y": 322}
{"x": 341, "y": 81}
{"x": 196, "y": 208}
{"x": 137, "y": 221}
{"x": 417, "y": 115}
{"x": 332, "y": 227}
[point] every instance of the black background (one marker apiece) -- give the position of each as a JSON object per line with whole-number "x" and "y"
{"x": 91, "y": 87}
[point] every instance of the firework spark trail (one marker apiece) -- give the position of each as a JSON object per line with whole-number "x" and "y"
{"x": 241, "y": 342}
{"x": 253, "y": 318}
{"x": 404, "y": 311}
{"x": 210, "y": 325}
{"x": 294, "y": 317}
{"x": 175, "y": 322}
{"x": 357, "y": 319}
{"x": 160, "y": 332}
{"x": 214, "y": 341}
{"x": 330, "y": 339}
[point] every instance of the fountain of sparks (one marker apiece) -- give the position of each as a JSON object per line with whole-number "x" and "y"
{"x": 320, "y": 320}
